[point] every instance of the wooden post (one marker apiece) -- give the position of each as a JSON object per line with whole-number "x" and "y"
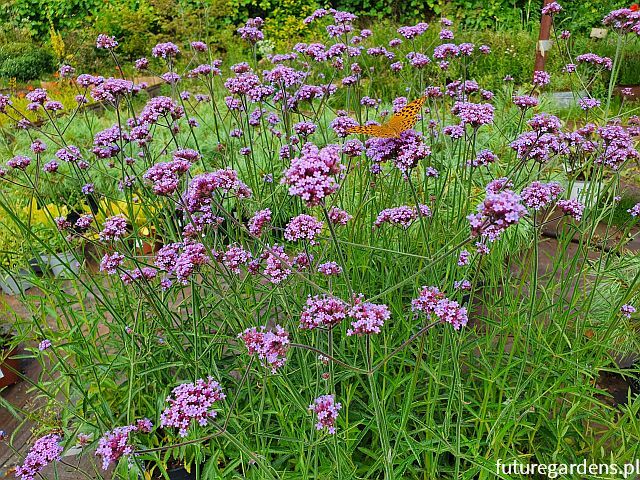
{"x": 543, "y": 39}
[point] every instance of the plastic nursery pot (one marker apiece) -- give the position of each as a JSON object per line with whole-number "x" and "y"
{"x": 180, "y": 473}
{"x": 15, "y": 283}
{"x": 64, "y": 263}
{"x": 9, "y": 366}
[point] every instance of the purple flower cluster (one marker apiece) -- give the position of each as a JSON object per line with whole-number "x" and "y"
{"x": 617, "y": 146}
{"x": 572, "y": 208}
{"x": 113, "y": 228}
{"x": 258, "y": 222}
{"x": 496, "y": 213}
{"x": 623, "y": 21}
{"x": 432, "y": 301}
{"x": 114, "y": 445}
{"x": 251, "y": 31}
{"x": 322, "y": 312}
{"x": 19, "y": 162}
{"x": 278, "y": 265}
{"x": 106, "y": 42}
{"x": 269, "y": 345}
{"x": 203, "y": 187}
{"x": 234, "y": 257}
{"x": 338, "y": 216}
{"x": 627, "y": 310}
{"x": 593, "y": 59}
{"x": 311, "y": 175}
{"x": 483, "y": 158}
{"x": 165, "y": 176}
{"x": 538, "y": 147}
{"x": 402, "y": 216}
{"x": 110, "y": 262}
{"x": 191, "y": 401}
{"x": 367, "y": 317}
{"x": 330, "y": 269}
{"x": 303, "y": 227}
{"x": 474, "y": 114}
{"x": 165, "y": 50}
{"x": 551, "y": 8}
{"x": 326, "y": 409}
{"x": 44, "y": 451}
{"x": 635, "y": 210}
{"x": 538, "y": 195}
{"x": 541, "y": 78}
{"x": 411, "y": 32}
{"x": 525, "y": 101}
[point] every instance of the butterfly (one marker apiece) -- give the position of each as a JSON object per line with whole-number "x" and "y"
{"x": 405, "y": 119}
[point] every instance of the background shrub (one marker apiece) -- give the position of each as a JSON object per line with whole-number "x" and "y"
{"x": 25, "y": 62}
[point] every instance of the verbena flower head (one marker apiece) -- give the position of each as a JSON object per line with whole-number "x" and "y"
{"x": 19, "y": 162}
{"x": 463, "y": 258}
{"x": 189, "y": 402}
{"x": 525, "y": 101}
{"x": 259, "y": 221}
{"x": 496, "y": 213}
{"x": 303, "y": 227}
{"x": 193, "y": 255}
{"x": 165, "y": 50}
{"x": 623, "y": 21}
{"x": 113, "y": 228}
{"x": 278, "y": 264}
{"x": 44, "y": 451}
{"x": 617, "y": 146}
{"x": 411, "y": 32}
{"x": 106, "y": 42}
{"x": 538, "y": 195}
{"x": 483, "y": 158}
{"x": 541, "y": 78}
{"x": 270, "y": 346}
{"x": 402, "y": 216}
{"x": 474, "y": 114}
{"x": 593, "y": 59}
{"x": 627, "y": 310}
{"x": 322, "y": 312}
{"x": 234, "y": 257}
{"x": 573, "y": 208}
{"x": 251, "y": 31}
{"x": 451, "y": 312}
{"x": 114, "y": 445}
{"x": 330, "y": 269}
{"x": 311, "y": 176}
{"x": 367, "y": 317}
{"x": 165, "y": 176}
{"x": 326, "y": 410}
{"x": 338, "y": 216}
{"x": 635, "y": 210}
{"x": 432, "y": 301}
{"x": 551, "y": 9}
{"x": 219, "y": 183}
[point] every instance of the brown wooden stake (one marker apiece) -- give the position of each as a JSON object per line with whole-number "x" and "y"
{"x": 545, "y": 32}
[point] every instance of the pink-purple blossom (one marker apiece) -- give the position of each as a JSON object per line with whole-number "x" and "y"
{"x": 44, "y": 451}
{"x": 326, "y": 410}
{"x": 367, "y": 317}
{"x": 192, "y": 401}
{"x": 270, "y": 346}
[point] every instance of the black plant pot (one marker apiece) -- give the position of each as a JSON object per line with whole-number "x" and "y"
{"x": 181, "y": 474}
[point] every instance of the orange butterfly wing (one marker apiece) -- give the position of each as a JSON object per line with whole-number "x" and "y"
{"x": 405, "y": 119}
{"x": 380, "y": 131}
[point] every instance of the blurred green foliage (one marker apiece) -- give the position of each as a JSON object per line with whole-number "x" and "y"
{"x": 508, "y": 26}
{"x": 25, "y": 61}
